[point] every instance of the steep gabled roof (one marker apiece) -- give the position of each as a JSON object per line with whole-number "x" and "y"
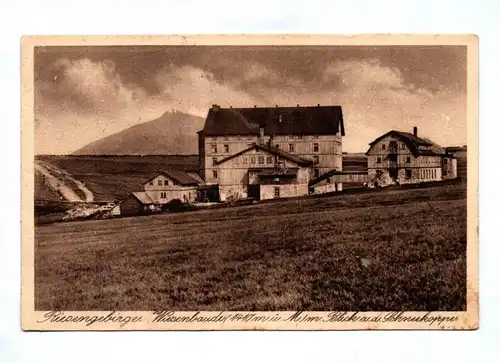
{"x": 275, "y": 151}
{"x": 413, "y": 142}
{"x": 181, "y": 177}
{"x": 314, "y": 120}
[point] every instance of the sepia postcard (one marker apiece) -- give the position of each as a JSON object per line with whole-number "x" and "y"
{"x": 250, "y": 182}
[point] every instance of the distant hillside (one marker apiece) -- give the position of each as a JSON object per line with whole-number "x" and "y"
{"x": 172, "y": 133}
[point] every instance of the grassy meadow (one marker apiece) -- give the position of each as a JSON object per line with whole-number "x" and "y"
{"x": 391, "y": 249}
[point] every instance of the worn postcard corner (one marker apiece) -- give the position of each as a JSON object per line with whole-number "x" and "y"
{"x": 250, "y": 182}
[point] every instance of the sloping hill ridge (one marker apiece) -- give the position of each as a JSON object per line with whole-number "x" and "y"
{"x": 172, "y": 133}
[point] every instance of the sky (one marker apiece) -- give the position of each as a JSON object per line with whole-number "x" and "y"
{"x": 85, "y": 93}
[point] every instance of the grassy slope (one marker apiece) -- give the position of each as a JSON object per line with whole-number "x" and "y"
{"x": 43, "y": 191}
{"x": 114, "y": 177}
{"x": 287, "y": 255}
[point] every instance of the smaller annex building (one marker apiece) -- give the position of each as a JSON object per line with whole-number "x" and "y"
{"x": 405, "y": 158}
{"x": 162, "y": 188}
{"x": 262, "y": 172}
{"x": 173, "y": 184}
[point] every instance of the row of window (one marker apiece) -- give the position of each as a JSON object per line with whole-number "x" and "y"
{"x": 420, "y": 173}
{"x": 408, "y": 160}
{"x": 427, "y": 173}
{"x": 261, "y": 160}
{"x": 291, "y": 148}
{"x": 316, "y": 174}
{"x": 160, "y": 183}
{"x": 394, "y": 145}
{"x": 240, "y": 137}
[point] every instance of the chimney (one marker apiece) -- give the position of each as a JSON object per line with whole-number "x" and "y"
{"x": 415, "y": 131}
{"x": 215, "y": 108}
{"x": 261, "y": 135}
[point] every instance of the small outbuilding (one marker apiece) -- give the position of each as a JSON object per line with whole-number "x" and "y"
{"x": 137, "y": 203}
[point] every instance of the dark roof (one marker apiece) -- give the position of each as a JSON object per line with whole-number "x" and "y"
{"x": 178, "y": 176}
{"x": 335, "y": 172}
{"x": 271, "y": 150}
{"x": 142, "y": 197}
{"x": 413, "y": 142}
{"x": 314, "y": 120}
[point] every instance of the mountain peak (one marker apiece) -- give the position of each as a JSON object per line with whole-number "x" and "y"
{"x": 172, "y": 133}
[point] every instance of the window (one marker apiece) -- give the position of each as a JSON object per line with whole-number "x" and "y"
{"x": 214, "y": 161}
{"x": 261, "y": 159}
{"x": 214, "y": 148}
{"x": 408, "y": 159}
{"x": 167, "y": 182}
{"x": 383, "y": 146}
{"x": 316, "y": 173}
{"x": 328, "y": 180}
{"x": 276, "y": 192}
{"x": 403, "y": 146}
{"x": 379, "y": 160}
{"x": 226, "y": 138}
{"x": 291, "y": 137}
{"x": 160, "y": 183}
{"x": 226, "y": 148}
{"x": 316, "y": 159}
{"x": 315, "y": 137}
{"x": 245, "y": 160}
{"x": 163, "y": 195}
{"x": 300, "y": 137}
{"x": 269, "y": 159}
{"x": 151, "y": 183}
{"x": 277, "y": 146}
{"x": 408, "y": 173}
{"x": 291, "y": 148}
{"x": 238, "y": 137}
{"x": 214, "y": 173}
{"x": 252, "y": 160}
{"x": 316, "y": 147}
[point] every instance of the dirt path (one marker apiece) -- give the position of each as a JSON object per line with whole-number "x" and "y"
{"x": 57, "y": 178}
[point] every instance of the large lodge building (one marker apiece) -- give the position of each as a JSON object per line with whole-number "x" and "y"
{"x": 269, "y": 152}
